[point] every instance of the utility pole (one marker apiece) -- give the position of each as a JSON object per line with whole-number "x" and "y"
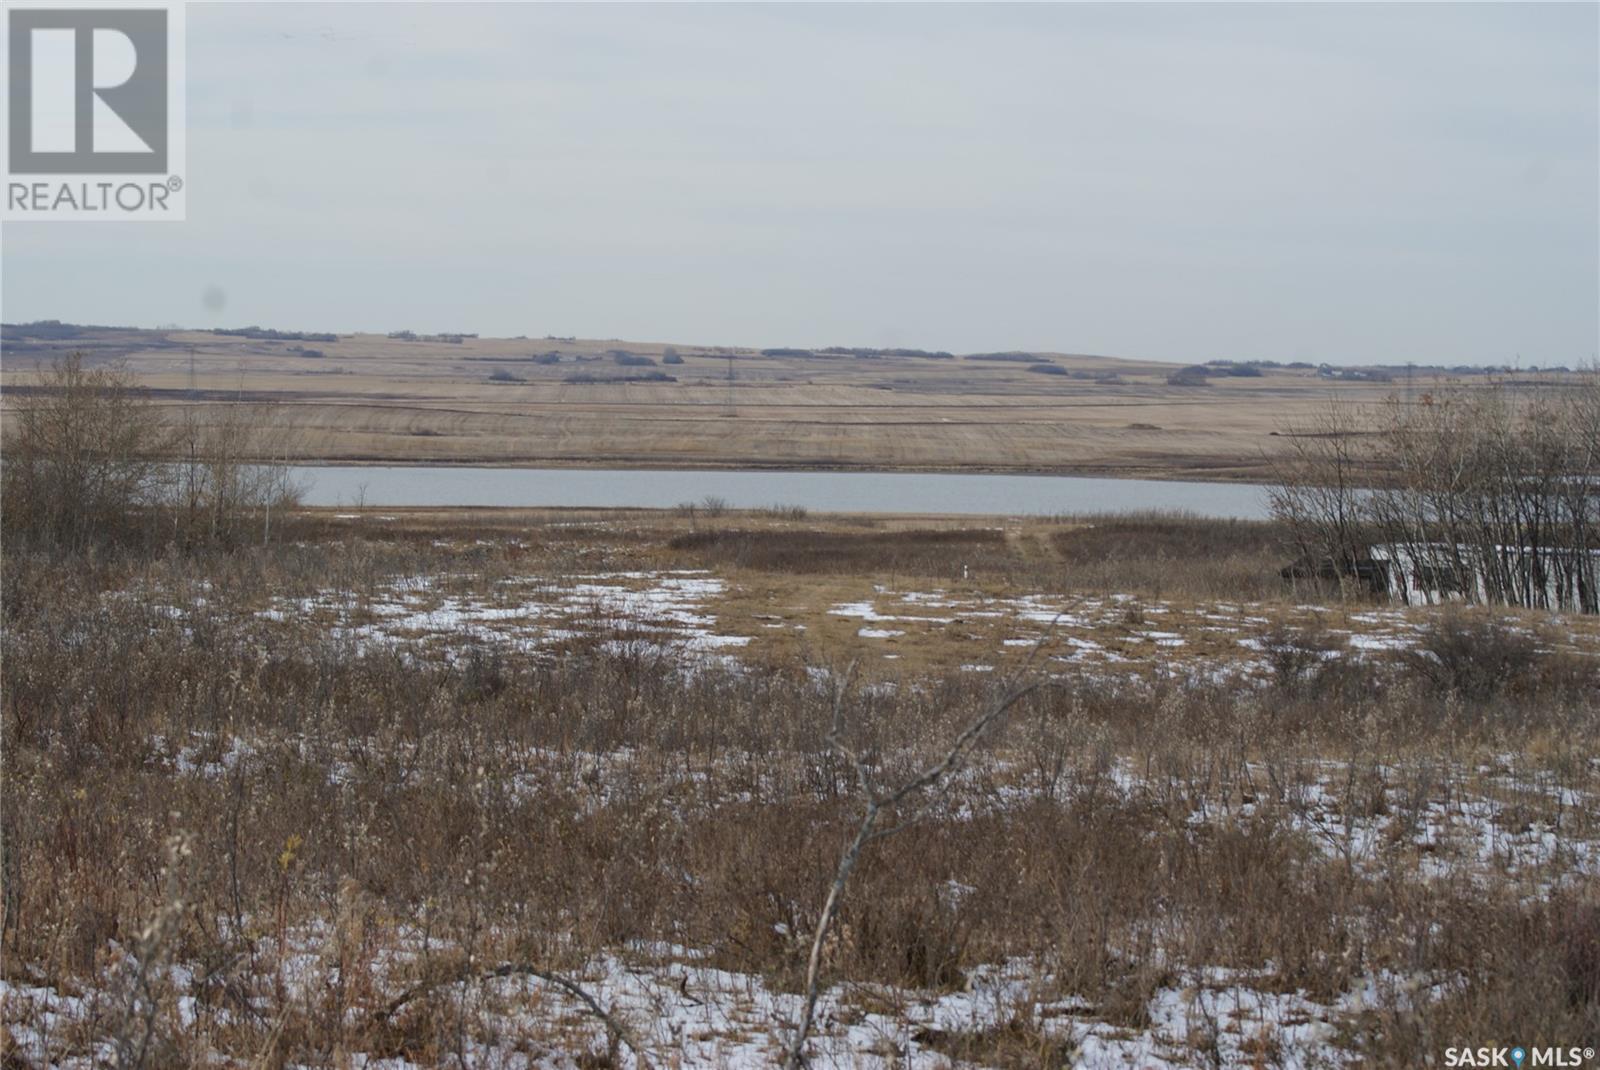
{"x": 728, "y": 409}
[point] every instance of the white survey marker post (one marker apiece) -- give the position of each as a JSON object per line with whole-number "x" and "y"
{"x": 95, "y": 119}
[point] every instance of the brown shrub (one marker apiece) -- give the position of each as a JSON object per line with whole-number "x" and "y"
{"x": 1172, "y": 555}
{"x": 1479, "y": 656}
{"x": 917, "y": 553}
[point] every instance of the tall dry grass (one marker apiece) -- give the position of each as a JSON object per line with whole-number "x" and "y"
{"x": 282, "y": 813}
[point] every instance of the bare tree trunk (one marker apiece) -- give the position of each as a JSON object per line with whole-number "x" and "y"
{"x": 867, "y": 830}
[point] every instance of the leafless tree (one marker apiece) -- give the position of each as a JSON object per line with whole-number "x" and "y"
{"x": 90, "y": 461}
{"x": 81, "y": 457}
{"x": 878, "y": 802}
{"x": 1490, "y": 493}
{"x": 229, "y": 474}
{"x": 1318, "y": 484}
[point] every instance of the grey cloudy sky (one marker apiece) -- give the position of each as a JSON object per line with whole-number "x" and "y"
{"x": 1316, "y": 182}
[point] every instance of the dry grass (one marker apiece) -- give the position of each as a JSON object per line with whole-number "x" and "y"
{"x": 241, "y": 840}
{"x": 372, "y": 399}
{"x": 1173, "y": 556}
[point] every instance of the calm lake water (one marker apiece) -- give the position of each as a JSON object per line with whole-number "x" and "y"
{"x": 874, "y": 492}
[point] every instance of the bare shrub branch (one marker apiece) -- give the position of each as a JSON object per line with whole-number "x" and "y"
{"x": 868, "y": 830}
{"x": 617, "y": 1032}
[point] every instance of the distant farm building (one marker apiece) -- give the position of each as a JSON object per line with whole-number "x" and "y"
{"x": 1534, "y": 578}
{"x": 1431, "y": 574}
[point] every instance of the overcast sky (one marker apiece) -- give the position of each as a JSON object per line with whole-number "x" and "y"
{"x": 1312, "y": 182}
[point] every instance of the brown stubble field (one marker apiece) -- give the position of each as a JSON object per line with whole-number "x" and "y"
{"x": 372, "y": 399}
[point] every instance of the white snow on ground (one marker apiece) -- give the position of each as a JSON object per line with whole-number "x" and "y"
{"x": 666, "y": 610}
{"x": 1477, "y": 820}
{"x": 1467, "y": 825}
{"x": 1381, "y": 642}
{"x": 865, "y": 611}
{"x": 1094, "y": 628}
{"x": 673, "y": 612}
{"x": 684, "y": 1013}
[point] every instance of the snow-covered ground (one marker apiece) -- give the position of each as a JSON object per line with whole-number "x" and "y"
{"x": 1118, "y": 629}
{"x": 1496, "y": 819}
{"x": 679, "y": 1011}
{"x": 659, "y": 610}
{"x": 681, "y": 613}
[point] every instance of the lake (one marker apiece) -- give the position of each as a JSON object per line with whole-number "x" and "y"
{"x": 852, "y": 492}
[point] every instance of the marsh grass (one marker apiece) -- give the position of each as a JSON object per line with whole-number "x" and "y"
{"x": 1167, "y": 555}
{"x": 1156, "y": 555}
{"x": 928, "y": 553}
